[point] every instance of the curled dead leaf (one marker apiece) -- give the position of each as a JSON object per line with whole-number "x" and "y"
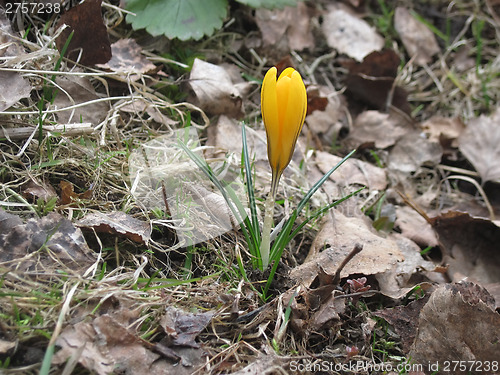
{"x": 458, "y": 323}
{"x": 117, "y": 222}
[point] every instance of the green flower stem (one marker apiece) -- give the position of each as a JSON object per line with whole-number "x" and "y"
{"x": 265, "y": 245}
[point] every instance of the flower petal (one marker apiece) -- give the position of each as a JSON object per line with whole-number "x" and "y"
{"x": 269, "y": 109}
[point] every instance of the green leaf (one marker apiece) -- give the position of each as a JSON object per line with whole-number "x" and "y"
{"x": 270, "y": 4}
{"x": 182, "y": 19}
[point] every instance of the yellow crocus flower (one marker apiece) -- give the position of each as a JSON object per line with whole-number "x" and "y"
{"x": 284, "y": 107}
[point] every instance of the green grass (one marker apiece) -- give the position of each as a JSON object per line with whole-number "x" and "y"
{"x": 249, "y": 224}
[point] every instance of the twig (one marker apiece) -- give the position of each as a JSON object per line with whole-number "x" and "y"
{"x": 66, "y": 130}
{"x": 357, "y": 249}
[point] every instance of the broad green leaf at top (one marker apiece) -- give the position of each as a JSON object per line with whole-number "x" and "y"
{"x": 182, "y": 19}
{"x": 270, "y": 4}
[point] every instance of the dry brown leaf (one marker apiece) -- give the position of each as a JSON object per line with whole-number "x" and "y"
{"x": 325, "y": 110}
{"x": 140, "y": 105}
{"x": 183, "y": 327}
{"x": 117, "y": 222}
{"x": 108, "y": 346}
{"x": 413, "y": 151}
{"x": 372, "y": 82}
{"x": 43, "y": 245}
{"x": 353, "y": 171}
{"x": 89, "y": 42}
{"x": 39, "y": 190}
{"x": 445, "y": 131}
{"x": 470, "y": 246}
{"x": 336, "y": 239}
{"x": 494, "y": 290}
{"x": 292, "y": 22}
{"x": 415, "y": 227}
{"x": 107, "y": 341}
{"x": 404, "y": 319}
{"x": 78, "y": 90}
{"x": 127, "y": 58}
{"x": 419, "y": 41}
{"x": 215, "y": 92}
{"x": 226, "y": 136}
{"x": 7, "y": 347}
{"x": 373, "y": 127}
{"x": 480, "y": 143}
{"x": 349, "y": 34}
{"x": 273, "y": 24}
{"x": 13, "y": 87}
{"x": 400, "y": 279}
{"x": 299, "y": 33}
{"x": 68, "y": 195}
{"x": 268, "y": 363}
{"x": 458, "y": 323}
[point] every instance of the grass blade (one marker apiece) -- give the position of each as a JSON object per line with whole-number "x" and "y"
{"x": 249, "y": 182}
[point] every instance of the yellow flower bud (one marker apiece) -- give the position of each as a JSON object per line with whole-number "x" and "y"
{"x": 284, "y": 107}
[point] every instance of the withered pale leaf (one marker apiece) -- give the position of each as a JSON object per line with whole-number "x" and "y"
{"x": 13, "y": 87}
{"x": 273, "y": 23}
{"x": 480, "y": 143}
{"x": 292, "y": 22}
{"x": 299, "y": 33}
{"x": 378, "y": 128}
{"x": 353, "y": 171}
{"x": 349, "y": 34}
{"x": 418, "y": 39}
{"x": 415, "y": 227}
{"x": 444, "y": 130}
{"x": 458, "y": 323}
{"x": 215, "y": 92}
{"x": 413, "y": 151}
